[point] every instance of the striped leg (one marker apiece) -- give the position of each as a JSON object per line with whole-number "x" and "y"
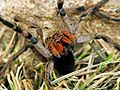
{"x": 38, "y": 45}
{"x": 65, "y": 17}
{"x": 19, "y": 30}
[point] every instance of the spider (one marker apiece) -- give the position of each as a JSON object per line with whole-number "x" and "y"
{"x": 61, "y": 44}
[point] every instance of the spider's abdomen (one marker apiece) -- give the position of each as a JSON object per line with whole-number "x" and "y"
{"x": 65, "y": 64}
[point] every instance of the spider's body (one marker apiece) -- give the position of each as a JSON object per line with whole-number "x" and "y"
{"x": 61, "y": 45}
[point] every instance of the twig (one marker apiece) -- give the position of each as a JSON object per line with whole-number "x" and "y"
{"x": 97, "y": 49}
{"x": 13, "y": 57}
{"x": 2, "y": 32}
{"x": 9, "y": 45}
{"x": 15, "y": 42}
{"x": 104, "y": 76}
{"x": 78, "y": 72}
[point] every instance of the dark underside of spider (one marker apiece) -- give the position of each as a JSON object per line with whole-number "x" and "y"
{"x": 64, "y": 64}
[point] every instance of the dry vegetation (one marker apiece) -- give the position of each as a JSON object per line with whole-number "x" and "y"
{"x": 97, "y": 62}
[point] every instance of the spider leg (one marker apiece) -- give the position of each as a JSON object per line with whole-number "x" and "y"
{"x": 48, "y": 73}
{"x": 103, "y": 16}
{"x": 87, "y": 38}
{"x": 98, "y": 14}
{"x": 19, "y": 30}
{"x": 69, "y": 35}
{"x": 84, "y": 38}
{"x": 59, "y": 46}
{"x": 88, "y": 12}
{"x": 54, "y": 49}
{"x": 73, "y": 29}
{"x": 105, "y": 38}
{"x": 38, "y": 45}
{"x": 65, "y": 16}
{"x": 108, "y": 40}
{"x": 31, "y": 25}
{"x": 97, "y": 11}
{"x": 67, "y": 43}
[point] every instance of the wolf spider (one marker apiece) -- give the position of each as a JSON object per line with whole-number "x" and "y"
{"x": 61, "y": 44}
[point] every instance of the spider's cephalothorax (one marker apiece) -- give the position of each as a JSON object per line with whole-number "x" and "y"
{"x": 61, "y": 45}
